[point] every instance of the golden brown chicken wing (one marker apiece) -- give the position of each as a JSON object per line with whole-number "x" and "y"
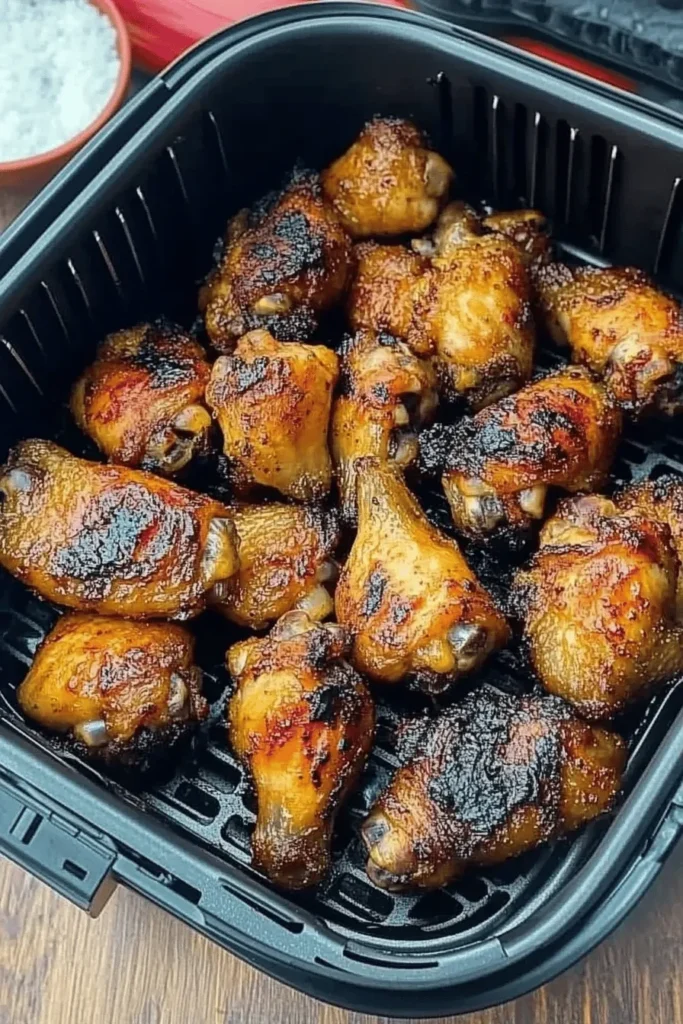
{"x": 111, "y": 539}
{"x": 302, "y": 722}
{"x": 388, "y": 182}
{"x": 142, "y": 400}
{"x": 622, "y": 327}
{"x": 662, "y": 501}
{"x": 286, "y": 561}
{"x": 490, "y": 778}
{"x": 459, "y": 223}
{"x": 280, "y": 269}
{"x": 599, "y": 606}
{"x": 470, "y": 308}
{"x": 560, "y": 431}
{"x": 273, "y": 401}
{"x": 124, "y": 691}
{"x": 406, "y": 593}
{"x": 528, "y": 229}
{"x": 386, "y": 393}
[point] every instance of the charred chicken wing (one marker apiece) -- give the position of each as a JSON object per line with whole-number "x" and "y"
{"x": 286, "y": 561}
{"x": 407, "y": 594}
{"x": 388, "y": 182}
{"x": 386, "y": 392}
{"x": 273, "y": 401}
{"x": 280, "y": 268}
{"x": 560, "y": 431}
{"x": 142, "y": 400}
{"x": 111, "y": 539}
{"x": 622, "y": 327}
{"x": 302, "y": 722}
{"x": 124, "y": 691}
{"x": 599, "y": 606}
{"x": 490, "y": 778}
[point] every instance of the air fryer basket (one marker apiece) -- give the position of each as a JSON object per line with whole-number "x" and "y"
{"x": 125, "y": 234}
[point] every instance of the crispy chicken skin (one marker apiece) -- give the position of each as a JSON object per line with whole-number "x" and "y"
{"x": 111, "y": 539}
{"x": 142, "y": 400}
{"x": 488, "y": 779}
{"x": 282, "y": 266}
{"x": 459, "y": 223}
{"x": 386, "y": 393}
{"x": 123, "y": 690}
{"x": 622, "y": 327}
{"x": 469, "y": 307}
{"x": 273, "y": 402}
{"x": 388, "y": 182}
{"x": 528, "y": 229}
{"x": 302, "y": 722}
{"x": 662, "y": 501}
{"x": 560, "y": 431}
{"x": 599, "y": 606}
{"x": 286, "y": 561}
{"x": 406, "y": 593}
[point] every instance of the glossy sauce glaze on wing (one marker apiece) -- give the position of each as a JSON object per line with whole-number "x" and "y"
{"x": 111, "y": 539}
{"x": 124, "y": 691}
{"x": 486, "y": 780}
{"x": 660, "y": 500}
{"x": 302, "y": 722}
{"x": 142, "y": 400}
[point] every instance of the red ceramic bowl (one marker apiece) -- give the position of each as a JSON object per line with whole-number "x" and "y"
{"x": 36, "y": 170}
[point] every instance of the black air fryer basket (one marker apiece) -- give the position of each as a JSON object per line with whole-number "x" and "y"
{"x": 125, "y": 233}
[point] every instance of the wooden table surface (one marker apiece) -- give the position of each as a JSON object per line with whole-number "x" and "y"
{"x": 137, "y": 965}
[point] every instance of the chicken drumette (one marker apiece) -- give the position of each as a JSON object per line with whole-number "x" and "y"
{"x": 406, "y": 593}
{"x": 273, "y": 400}
{"x": 662, "y": 501}
{"x": 460, "y": 223}
{"x": 286, "y": 561}
{"x": 388, "y": 182}
{"x": 283, "y": 265}
{"x": 560, "y": 431}
{"x": 111, "y": 539}
{"x": 490, "y": 778}
{"x": 386, "y": 392}
{"x": 622, "y": 327}
{"x": 142, "y": 400}
{"x": 599, "y": 605}
{"x": 302, "y": 722}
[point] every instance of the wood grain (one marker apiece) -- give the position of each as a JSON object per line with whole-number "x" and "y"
{"x": 137, "y": 965}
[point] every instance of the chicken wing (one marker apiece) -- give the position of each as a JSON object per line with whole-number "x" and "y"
{"x": 560, "y": 431}
{"x": 407, "y": 594}
{"x": 273, "y": 401}
{"x": 490, "y": 778}
{"x": 142, "y": 400}
{"x": 459, "y": 223}
{"x": 599, "y": 606}
{"x": 528, "y": 229}
{"x": 280, "y": 269}
{"x": 286, "y": 562}
{"x": 470, "y": 308}
{"x": 662, "y": 501}
{"x": 302, "y": 722}
{"x": 386, "y": 393}
{"x": 622, "y": 327}
{"x": 111, "y": 539}
{"x": 388, "y": 182}
{"x": 125, "y": 692}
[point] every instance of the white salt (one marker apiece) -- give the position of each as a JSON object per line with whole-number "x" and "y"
{"x": 58, "y": 68}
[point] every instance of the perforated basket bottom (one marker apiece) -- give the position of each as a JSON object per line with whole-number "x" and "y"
{"x": 208, "y": 798}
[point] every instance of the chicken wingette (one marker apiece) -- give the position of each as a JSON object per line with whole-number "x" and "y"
{"x": 273, "y": 402}
{"x": 598, "y": 603}
{"x": 142, "y": 400}
{"x": 111, "y": 539}
{"x": 283, "y": 265}
{"x": 124, "y": 691}
{"x": 388, "y": 182}
{"x": 286, "y": 561}
{"x": 386, "y": 393}
{"x": 622, "y": 327}
{"x": 406, "y": 593}
{"x": 488, "y": 779}
{"x": 561, "y": 431}
{"x": 302, "y": 723}
{"x": 459, "y": 223}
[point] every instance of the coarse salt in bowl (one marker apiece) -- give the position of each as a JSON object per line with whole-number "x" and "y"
{"x": 64, "y": 70}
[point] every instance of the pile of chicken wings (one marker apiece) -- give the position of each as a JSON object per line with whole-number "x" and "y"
{"x": 324, "y": 552}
